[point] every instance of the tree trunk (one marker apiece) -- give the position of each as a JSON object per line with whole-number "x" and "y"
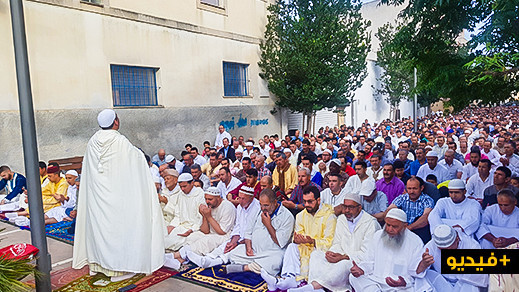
{"x": 308, "y": 123}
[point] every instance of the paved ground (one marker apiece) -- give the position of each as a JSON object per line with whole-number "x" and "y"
{"x": 61, "y": 256}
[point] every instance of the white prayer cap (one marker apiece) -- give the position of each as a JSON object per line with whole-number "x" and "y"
{"x": 353, "y": 197}
{"x": 169, "y": 158}
{"x": 286, "y": 150}
{"x": 106, "y": 118}
{"x": 428, "y": 147}
{"x": 249, "y": 144}
{"x": 240, "y": 150}
{"x": 439, "y": 133}
{"x": 337, "y": 161}
{"x": 379, "y": 139}
{"x": 328, "y": 151}
{"x": 397, "y": 214}
{"x": 367, "y": 187}
{"x": 72, "y": 172}
{"x": 456, "y": 184}
{"x": 213, "y": 191}
{"x": 185, "y": 177}
{"x": 432, "y": 154}
{"x": 277, "y": 144}
{"x": 444, "y": 236}
{"x": 468, "y": 131}
{"x": 170, "y": 171}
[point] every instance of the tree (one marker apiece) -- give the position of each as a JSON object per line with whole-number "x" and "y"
{"x": 450, "y": 69}
{"x": 314, "y": 53}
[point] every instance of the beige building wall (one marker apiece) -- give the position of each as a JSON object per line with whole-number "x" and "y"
{"x": 72, "y": 45}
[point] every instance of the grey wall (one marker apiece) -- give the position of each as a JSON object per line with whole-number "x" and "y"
{"x": 65, "y": 133}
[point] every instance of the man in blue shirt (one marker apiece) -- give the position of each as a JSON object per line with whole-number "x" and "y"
{"x": 420, "y": 160}
{"x": 14, "y": 183}
{"x": 417, "y": 207}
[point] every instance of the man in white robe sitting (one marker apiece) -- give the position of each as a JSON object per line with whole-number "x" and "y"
{"x": 171, "y": 189}
{"x": 457, "y": 210}
{"x": 314, "y": 230}
{"x": 354, "y": 229}
{"x": 445, "y": 237}
{"x": 265, "y": 243}
{"x": 218, "y": 220}
{"x": 394, "y": 259}
{"x": 500, "y": 222}
{"x": 58, "y": 214}
{"x": 186, "y": 218}
{"x": 246, "y": 212}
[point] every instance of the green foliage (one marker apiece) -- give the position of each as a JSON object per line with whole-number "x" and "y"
{"x": 428, "y": 38}
{"x": 314, "y": 53}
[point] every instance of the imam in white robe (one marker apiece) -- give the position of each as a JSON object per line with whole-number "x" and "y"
{"x": 267, "y": 253}
{"x": 119, "y": 223}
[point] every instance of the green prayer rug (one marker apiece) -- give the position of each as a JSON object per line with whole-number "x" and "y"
{"x": 86, "y": 283}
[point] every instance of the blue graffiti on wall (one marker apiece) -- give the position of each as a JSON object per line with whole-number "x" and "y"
{"x": 242, "y": 122}
{"x": 259, "y": 122}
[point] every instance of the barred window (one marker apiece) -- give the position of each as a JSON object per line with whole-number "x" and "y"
{"x": 134, "y": 86}
{"x": 235, "y": 79}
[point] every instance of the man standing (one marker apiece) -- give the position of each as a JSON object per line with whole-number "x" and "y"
{"x": 227, "y": 150}
{"x": 117, "y": 199}
{"x": 393, "y": 259}
{"x": 330, "y": 269}
{"x": 266, "y": 241}
{"x": 314, "y": 230}
{"x": 218, "y": 142}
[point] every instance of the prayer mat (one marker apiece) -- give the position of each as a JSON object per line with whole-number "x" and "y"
{"x": 86, "y": 284}
{"x": 59, "y": 231}
{"x": 215, "y": 278}
{"x": 155, "y": 278}
{"x": 62, "y": 277}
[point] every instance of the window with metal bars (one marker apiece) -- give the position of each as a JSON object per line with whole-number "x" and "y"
{"x": 235, "y": 81}
{"x": 134, "y": 86}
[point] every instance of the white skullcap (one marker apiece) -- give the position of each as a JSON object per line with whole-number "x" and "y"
{"x": 249, "y": 144}
{"x": 444, "y": 236}
{"x": 169, "y": 158}
{"x": 439, "y": 133}
{"x": 247, "y": 190}
{"x": 106, "y": 118}
{"x": 277, "y": 144}
{"x": 468, "y": 131}
{"x": 185, "y": 177}
{"x": 428, "y": 147}
{"x": 367, "y": 187}
{"x": 213, "y": 191}
{"x": 456, "y": 184}
{"x": 397, "y": 214}
{"x": 353, "y": 197}
{"x": 328, "y": 151}
{"x": 432, "y": 154}
{"x": 379, "y": 139}
{"x": 337, "y": 161}
{"x": 170, "y": 171}
{"x": 286, "y": 150}
{"x": 72, "y": 172}
{"x": 240, "y": 150}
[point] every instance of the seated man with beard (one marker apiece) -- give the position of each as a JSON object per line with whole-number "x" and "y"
{"x": 393, "y": 259}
